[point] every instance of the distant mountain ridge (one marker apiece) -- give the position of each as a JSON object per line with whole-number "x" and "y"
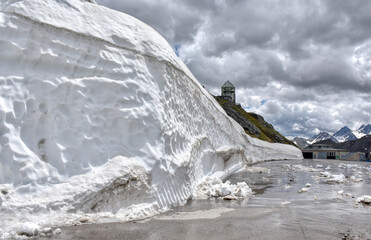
{"x": 343, "y": 135}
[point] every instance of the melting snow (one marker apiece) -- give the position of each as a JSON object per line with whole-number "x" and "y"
{"x": 214, "y": 187}
{"x": 29, "y": 229}
{"x": 364, "y": 199}
{"x": 303, "y": 190}
{"x": 332, "y": 178}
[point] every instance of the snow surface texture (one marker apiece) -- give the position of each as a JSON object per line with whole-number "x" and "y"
{"x": 99, "y": 118}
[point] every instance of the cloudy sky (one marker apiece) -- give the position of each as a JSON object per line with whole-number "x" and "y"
{"x": 305, "y": 66}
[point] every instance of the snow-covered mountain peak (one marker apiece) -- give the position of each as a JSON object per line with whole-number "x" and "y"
{"x": 344, "y": 134}
{"x": 366, "y": 129}
{"x": 363, "y": 130}
{"x": 343, "y": 129}
{"x": 320, "y": 137}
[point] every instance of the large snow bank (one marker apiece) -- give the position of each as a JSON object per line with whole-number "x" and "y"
{"x": 98, "y": 117}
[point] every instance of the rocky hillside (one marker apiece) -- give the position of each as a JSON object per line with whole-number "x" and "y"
{"x": 301, "y": 142}
{"x": 253, "y": 124}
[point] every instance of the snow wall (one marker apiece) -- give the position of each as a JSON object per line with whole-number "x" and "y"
{"x": 99, "y": 116}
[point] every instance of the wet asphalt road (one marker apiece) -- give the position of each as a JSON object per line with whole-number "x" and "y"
{"x": 277, "y": 211}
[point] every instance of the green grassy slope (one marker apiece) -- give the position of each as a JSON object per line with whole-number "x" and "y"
{"x": 266, "y": 131}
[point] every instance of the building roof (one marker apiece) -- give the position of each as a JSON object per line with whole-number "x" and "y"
{"x": 324, "y": 150}
{"x": 321, "y": 148}
{"x": 227, "y": 84}
{"x": 321, "y": 144}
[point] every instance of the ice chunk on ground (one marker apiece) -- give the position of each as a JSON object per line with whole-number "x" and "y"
{"x": 214, "y": 187}
{"x": 308, "y": 185}
{"x": 325, "y": 174}
{"x": 29, "y": 229}
{"x": 332, "y": 178}
{"x": 47, "y": 231}
{"x": 303, "y": 190}
{"x": 340, "y": 192}
{"x": 319, "y": 166}
{"x": 364, "y": 199}
{"x": 57, "y": 231}
{"x": 356, "y": 178}
{"x": 349, "y": 166}
{"x": 340, "y": 178}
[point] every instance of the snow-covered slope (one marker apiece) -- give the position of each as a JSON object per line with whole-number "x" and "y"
{"x": 363, "y": 131}
{"x": 99, "y": 118}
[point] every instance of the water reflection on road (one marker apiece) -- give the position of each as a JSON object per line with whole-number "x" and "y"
{"x": 276, "y": 211}
{"x": 329, "y": 210}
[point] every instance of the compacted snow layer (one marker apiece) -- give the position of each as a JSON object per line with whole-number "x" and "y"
{"x": 98, "y": 117}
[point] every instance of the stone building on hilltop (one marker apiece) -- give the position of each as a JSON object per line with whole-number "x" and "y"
{"x": 228, "y": 92}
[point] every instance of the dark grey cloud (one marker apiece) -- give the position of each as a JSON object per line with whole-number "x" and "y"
{"x": 167, "y": 17}
{"x": 304, "y": 65}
